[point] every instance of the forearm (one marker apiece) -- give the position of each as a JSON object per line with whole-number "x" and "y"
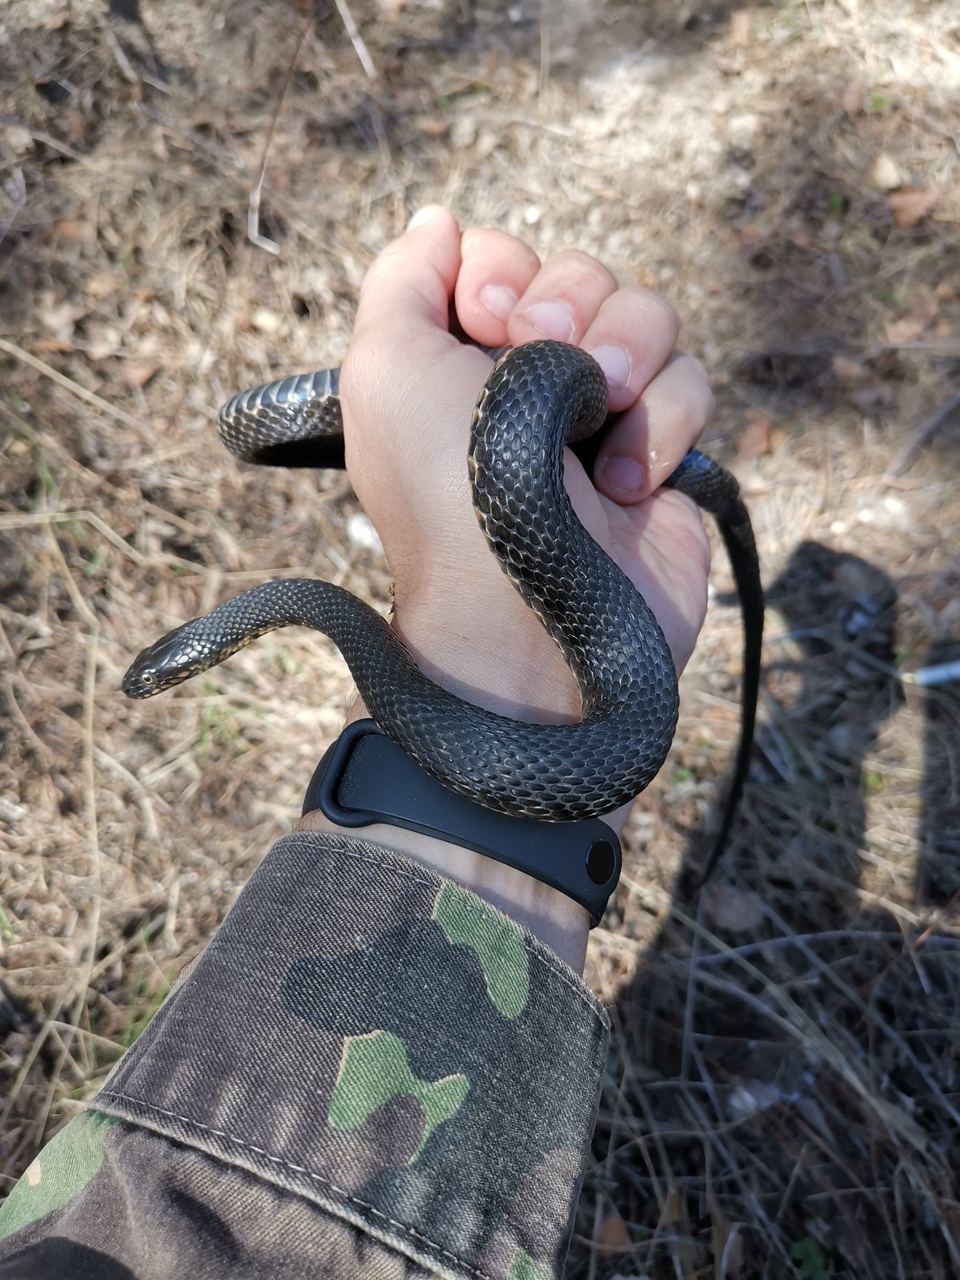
{"x": 470, "y": 663}
{"x": 559, "y": 922}
{"x": 367, "y": 1058}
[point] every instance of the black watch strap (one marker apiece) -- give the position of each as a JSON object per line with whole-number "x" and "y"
{"x": 365, "y": 777}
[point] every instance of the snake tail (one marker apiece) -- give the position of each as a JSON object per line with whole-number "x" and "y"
{"x": 717, "y": 492}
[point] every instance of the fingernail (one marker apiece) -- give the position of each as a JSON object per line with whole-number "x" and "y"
{"x": 498, "y": 299}
{"x": 553, "y": 319}
{"x": 615, "y": 363}
{"x": 621, "y": 476}
{"x": 423, "y": 216}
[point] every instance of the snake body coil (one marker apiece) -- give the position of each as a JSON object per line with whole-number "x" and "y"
{"x": 538, "y": 398}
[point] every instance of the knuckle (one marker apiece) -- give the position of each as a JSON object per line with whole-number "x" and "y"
{"x": 485, "y": 237}
{"x": 661, "y": 314}
{"x": 583, "y": 266}
{"x": 697, "y": 380}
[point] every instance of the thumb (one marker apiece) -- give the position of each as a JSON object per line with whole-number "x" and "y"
{"x": 406, "y": 294}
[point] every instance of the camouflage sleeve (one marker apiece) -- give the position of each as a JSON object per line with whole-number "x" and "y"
{"x": 369, "y": 1072}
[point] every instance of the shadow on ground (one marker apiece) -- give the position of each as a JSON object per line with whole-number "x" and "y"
{"x": 778, "y": 1014}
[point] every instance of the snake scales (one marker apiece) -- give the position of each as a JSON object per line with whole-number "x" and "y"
{"x": 538, "y": 397}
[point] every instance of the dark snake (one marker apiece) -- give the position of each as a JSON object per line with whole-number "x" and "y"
{"x": 539, "y": 397}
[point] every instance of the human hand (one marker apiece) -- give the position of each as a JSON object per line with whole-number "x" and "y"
{"x": 408, "y": 389}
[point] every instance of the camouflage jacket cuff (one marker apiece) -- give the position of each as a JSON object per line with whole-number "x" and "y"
{"x": 391, "y": 1048}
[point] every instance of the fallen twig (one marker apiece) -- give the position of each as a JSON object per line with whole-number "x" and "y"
{"x": 68, "y": 384}
{"x": 253, "y": 206}
{"x": 922, "y": 436}
{"x": 356, "y": 39}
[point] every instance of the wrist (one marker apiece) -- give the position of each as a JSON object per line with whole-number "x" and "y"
{"x": 531, "y": 682}
{"x": 556, "y": 918}
{"x": 494, "y": 657}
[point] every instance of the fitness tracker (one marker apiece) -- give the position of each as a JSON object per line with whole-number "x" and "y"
{"x": 365, "y": 778}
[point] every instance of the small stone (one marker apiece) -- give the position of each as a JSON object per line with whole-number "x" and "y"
{"x": 734, "y": 909}
{"x": 17, "y": 139}
{"x": 265, "y": 321}
{"x": 885, "y": 173}
{"x": 463, "y": 132}
{"x": 361, "y": 533}
{"x": 742, "y": 128}
{"x": 749, "y": 1098}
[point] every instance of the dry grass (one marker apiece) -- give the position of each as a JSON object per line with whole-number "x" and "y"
{"x": 783, "y": 1095}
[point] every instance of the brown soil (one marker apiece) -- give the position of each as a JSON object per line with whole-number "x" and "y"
{"x": 783, "y": 1093}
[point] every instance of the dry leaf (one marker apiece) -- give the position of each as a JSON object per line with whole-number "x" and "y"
{"x": 852, "y": 100}
{"x": 847, "y": 370}
{"x": 912, "y": 205}
{"x": 55, "y": 15}
{"x": 74, "y": 125}
{"x": 103, "y": 340}
{"x": 158, "y": 143}
{"x": 432, "y": 126}
{"x": 924, "y": 309}
{"x": 740, "y": 27}
{"x": 612, "y": 1234}
{"x": 139, "y": 372}
{"x": 59, "y": 316}
{"x": 53, "y": 344}
{"x": 885, "y": 173}
{"x": 101, "y": 285}
{"x": 754, "y": 439}
{"x": 77, "y": 230}
{"x": 721, "y": 1231}
{"x": 908, "y": 329}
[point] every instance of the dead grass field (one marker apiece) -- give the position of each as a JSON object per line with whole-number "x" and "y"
{"x": 783, "y": 1093}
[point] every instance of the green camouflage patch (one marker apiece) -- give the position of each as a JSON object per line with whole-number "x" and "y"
{"x": 373, "y": 1070}
{"x": 61, "y": 1171}
{"x": 523, "y": 1267}
{"x": 497, "y": 942}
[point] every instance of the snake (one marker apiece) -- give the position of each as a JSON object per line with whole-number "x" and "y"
{"x": 539, "y": 397}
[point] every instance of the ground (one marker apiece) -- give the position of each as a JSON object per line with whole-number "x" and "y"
{"x": 783, "y": 1092}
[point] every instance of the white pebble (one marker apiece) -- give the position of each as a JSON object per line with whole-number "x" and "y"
{"x": 361, "y": 533}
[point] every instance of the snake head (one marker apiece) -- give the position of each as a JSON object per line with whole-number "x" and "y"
{"x": 159, "y": 667}
{"x": 140, "y": 681}
{"x": 143, "y": 679}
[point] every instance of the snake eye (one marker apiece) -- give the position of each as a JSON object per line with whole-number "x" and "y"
{"x": 147, "y": 678}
